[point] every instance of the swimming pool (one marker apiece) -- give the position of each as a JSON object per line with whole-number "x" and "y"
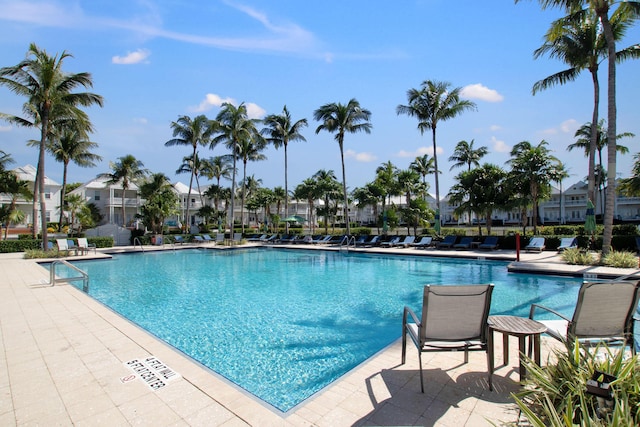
{"x": 283, "y": 324}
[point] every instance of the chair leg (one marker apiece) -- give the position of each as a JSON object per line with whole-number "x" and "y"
{"x": 404, "y": 346}
{"x": 420, "y": 363}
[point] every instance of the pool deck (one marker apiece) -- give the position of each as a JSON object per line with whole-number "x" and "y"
{"x": 63, "y": 355}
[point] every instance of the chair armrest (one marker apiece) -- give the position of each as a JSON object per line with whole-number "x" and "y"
{"x": 410, "y": 312}
{"x": 542, "y": 307}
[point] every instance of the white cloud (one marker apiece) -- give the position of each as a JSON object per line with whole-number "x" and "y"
{"x": 136, "y": 57}
{"x": 140, "y": 120}
{"x": 499, "y": 145}
{"x": 567, "y": 127}
{"x": 363, "y": 157}
{"x": 5, "y": 128}
{"x": 495, "y": 128}
{"x": 479, "y": 91}
{"x": 421, "y": 151}
{"x": 211, "y": 100}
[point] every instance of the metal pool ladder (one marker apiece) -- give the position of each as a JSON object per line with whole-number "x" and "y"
{"x": 83, "y": 275}
{"x": 135, "y": 239}
{"x": 346, "y": 242}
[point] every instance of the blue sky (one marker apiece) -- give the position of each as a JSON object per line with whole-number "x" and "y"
{"x": 156, "y": 60}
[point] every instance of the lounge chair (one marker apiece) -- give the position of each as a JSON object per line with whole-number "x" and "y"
{"x": 177, "y": 239}
{"x": 536, "y": 244}
{"x": 604, "y": 312}
{"x": 465, "y": 243}
{"x": 320, "y": 239}
{"x": 408, "y": 241}
{"x": 219, "y": 238}
{"x": 567, "y": 243}
{"x": 198, "y": 239}
{"x": 447, "y": 243}
{"x": 390, "y": 243}
{"x": 237, "y": 239}
{"x": 453, "y": 318}
{"x": 374, "y": 241}
{"x": 71, "y": 245}
{"x": 63, "y": 245}
{"x": 207, "y": 238}
{"x": 256, "y": 238}
{"x": 425, "y": 242}
{"x": 361, "y": 240}
{"x": 271, "y": 239}
{"x": 490, "y": 243}
{"x": 84, "y": 246}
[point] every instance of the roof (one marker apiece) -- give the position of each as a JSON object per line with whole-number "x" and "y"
{"x": 28, "y": 173}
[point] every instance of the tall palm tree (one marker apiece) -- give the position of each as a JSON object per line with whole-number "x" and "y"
{"x": 630, "y": 187}
{"x": 602, "y": 9}
{"x": 15, "y": 188}
{"x": 195, "y": 166}
{"x": 70, "y": 144}
{"x": 48, "y": 90}
{"x": 465, "y": 155}
{"x": 280, "y": 130}
{"x": 327, "y": 187}
{"x": 249, "y": 149}
{"x": 559, "y": 174}
{"x": 581, "y": 45}
{"x": 432, "y": 103}
{"x": 192, "y": 132}
{"x": 161, "y": 201}
{"x": 340, "y": 119}
{"x": 233, "y": 126}
{"x": 279, "y": 195}
{"x": 126, "y": 171}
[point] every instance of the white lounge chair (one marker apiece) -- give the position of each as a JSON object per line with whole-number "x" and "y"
{"x": 85, "y": 246}
{"x": 536, "y": 244}
{"x": 425, "y": 242}
{"x": 567, "y": 243}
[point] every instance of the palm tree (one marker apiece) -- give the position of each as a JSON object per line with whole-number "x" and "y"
{"x": 249, "y": 149}
{"x": 560, "y": 173}
{"x": 584, "y": 141}
{"x": 581, "y": 45}
{"x": 327, "y": 186}
{"x": 192, "y": 132}
{"x": 308, "y": 190}
{"x": 217, "y": 167}
{"x": 70, "y": 144}
{"x": 424, "y": 166}
{"x": 194, "y": 166}
{"x": 602, "y": 9}
{"x": 386, "y": 179}
{"x": 75, "y": 203}
{"x": 48, "y": 90}
{"x": 161, "y": 201}
{"x": 280, "y": 195}
{"x": 370, "y": 195}
{"x": 280, "y": 131}
{"x": 535, "y": 167}
{"x": 126, "y": 171}
{"x": 465, "y": 155}
{"x": 339, "y": 119}
{"x": 433, "y": 103}
{"x": 630, "y": 187}
{"x": 15, "y": 188}
{"x": 233, "y": 126}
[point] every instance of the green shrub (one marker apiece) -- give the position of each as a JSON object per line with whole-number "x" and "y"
{"x": 578, "y": 257}
{"x": 620, "y": 259}
{"x": 555, "y": 395}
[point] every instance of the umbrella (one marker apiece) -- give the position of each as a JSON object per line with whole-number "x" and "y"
{"x": 295, "y": 218}
{"x": 590, "y": 222}
{"x": 436, "y": 224}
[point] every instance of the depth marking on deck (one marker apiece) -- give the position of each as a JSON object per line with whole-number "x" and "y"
{"x": 151, "y": 370}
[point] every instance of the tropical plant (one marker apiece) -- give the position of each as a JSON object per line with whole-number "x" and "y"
{"x": 631, "y": 186}
{"x": 620, "y": 259}
{"x": 75, "y": 203}
{"x": 340, "y": 119}
{"x": 308, "y": 190}
{"x": 535, "y": 168}
{"x": 424, "y": 166}
{"x": 233, "y": 126}
{"x": 465, "y": 155}
{"x": 161, "y": 201}
{"x": 126, "y": 171}
{"x": 194, "y": 166}
{"x": 249, "y": 149}
{"x": 576, "y": 256}
{"x": 281, "y": 130}
{"x": 191, "y": 132}
{"x": 217, "y": 167}
{"x": 328, "y": 188}
{"x": 370, "y": 195}
{"x": 556, "y": 394}
{"x": 48, "y": 90}
{"x": 432, "y": 103}
{"x": 15, "y": 188}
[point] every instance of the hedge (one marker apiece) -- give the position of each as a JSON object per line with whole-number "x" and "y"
{"x": 20, "y": 245}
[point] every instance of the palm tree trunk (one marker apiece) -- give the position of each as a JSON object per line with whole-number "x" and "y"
{"x": 233, "y": 190}
{"x": 244, "y": 188}
{"x": 591, "y": 189}
{"x": 40, "y": 173}
{"x": 62, "y": 194}
{"x": 34, "y": 209}
{"x": 435, "y": 165}
{"x": 286, "y": 189}
{"x": 611, "y": 130}
{"x": 344, "y": 189}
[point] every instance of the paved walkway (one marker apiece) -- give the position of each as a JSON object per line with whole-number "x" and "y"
{"x": 63, "y": 355}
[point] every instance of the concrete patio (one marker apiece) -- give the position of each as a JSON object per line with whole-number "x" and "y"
{"x": 63, "y": 355}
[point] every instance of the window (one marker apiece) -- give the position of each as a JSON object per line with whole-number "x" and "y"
{"x": 47, "y": 195}
{"x": 96, "y": 195}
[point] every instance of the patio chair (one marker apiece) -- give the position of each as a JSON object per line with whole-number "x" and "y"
{"x": 207, "y": 238}
{"x": 408, "y": 241}
{"x": 374, "y": 241}
{"x": 62, "y": 245}
{"x": 237, "y": 239}
{"x": 453, "y": 318}
{"x": 490, "y": 243}
{"x": 390, "y": 243}
{"x": 638, "y": 244}
{"x": 465, "y": 243}
{"x": 447, "y": 243}
{"x": 567, "y": 243}
{"x": 219, "y": 238}
{"x": 85, "y": 246}
{"x": 198, "y": 239}
{"x": 177, "y": 239}
{"x": 425, "y": 242}
{"x": 604, "y": 313}
{"x": 536, "y": 244}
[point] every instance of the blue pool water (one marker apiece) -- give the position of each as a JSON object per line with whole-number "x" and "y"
{"x": 283, "y": 324}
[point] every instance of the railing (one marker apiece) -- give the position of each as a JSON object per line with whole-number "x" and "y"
{"x": 348, "y": 241}
{"x": 135, "y": 239}
{"x": 83, "y": 275}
